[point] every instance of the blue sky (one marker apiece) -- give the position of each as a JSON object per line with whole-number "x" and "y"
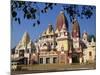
{"x": 17, "y": 30}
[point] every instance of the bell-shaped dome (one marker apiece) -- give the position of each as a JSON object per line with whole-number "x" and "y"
{"x": 75, "y": 28}
{"x": 85, "y": 34}
{"x": 61, "y": 20}
{"x": 25, "y": 38}
{"x": 24, "y": 41}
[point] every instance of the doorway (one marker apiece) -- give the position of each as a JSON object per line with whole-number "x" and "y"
{"x": 75, "y": 58}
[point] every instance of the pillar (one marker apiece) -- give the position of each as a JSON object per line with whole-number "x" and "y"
{"x": 80, "y": 60}
{"x": 51, "y": 60}
{"x": 70, "y": 60}
{"x": 44, "y": 60}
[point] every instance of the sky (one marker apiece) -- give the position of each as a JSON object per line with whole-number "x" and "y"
{"x": 17, "y": 30}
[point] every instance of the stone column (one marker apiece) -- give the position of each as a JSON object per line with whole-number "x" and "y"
{"x": 70, "y": 60}
{"x": 28, "y": 58}
{"x": 80, "y": 60}
{"x": 44, "y": 60}
{"x": 84, "y": 59}
{"x": 51, "y": 60}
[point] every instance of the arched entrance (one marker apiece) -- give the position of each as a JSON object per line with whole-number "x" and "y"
{"x": 75, "y": 58}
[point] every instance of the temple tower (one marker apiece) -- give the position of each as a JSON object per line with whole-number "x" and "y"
{"x": 62, "y": 32}
{"x": 77, "y": 49}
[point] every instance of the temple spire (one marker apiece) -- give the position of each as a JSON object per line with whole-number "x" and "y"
{"x": 61, "y": 20}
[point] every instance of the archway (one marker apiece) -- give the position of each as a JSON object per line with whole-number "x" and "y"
{"x": 75, "y": 58}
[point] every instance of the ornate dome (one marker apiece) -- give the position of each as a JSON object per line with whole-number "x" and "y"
{"x": 61, "y": 20}
{"x": 75, "y": 28}
{"x": 85, "y": 34}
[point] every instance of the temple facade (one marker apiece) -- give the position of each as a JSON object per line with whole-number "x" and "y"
{"x": 57, "y": 45}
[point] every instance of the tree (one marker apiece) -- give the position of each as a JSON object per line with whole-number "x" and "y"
{"x": 32, "y": 11}
{"x": 90, "y": 37}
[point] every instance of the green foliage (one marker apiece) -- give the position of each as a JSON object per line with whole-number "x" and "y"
{"x": 31, "y": 10}
{"x": 79, "y": 11}
{"x": 90, "y": 37}
{"x": 14, "y": 14}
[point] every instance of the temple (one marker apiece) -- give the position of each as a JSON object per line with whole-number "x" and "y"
{"x": 57, "y": 45}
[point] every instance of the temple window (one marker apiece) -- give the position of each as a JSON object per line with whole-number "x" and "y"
{"x": 56, "y": 43}
{"x": 51, "y": 36}
{"x": 55, "y": 60}
{"x": 21, "y": 53}
{"x": 47, "y": 60}
{"x": 41, "y": 60}
{"x": 46, "y": 36}
{"x": 90, "y": 53}
{"x": 44, "y": 44}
